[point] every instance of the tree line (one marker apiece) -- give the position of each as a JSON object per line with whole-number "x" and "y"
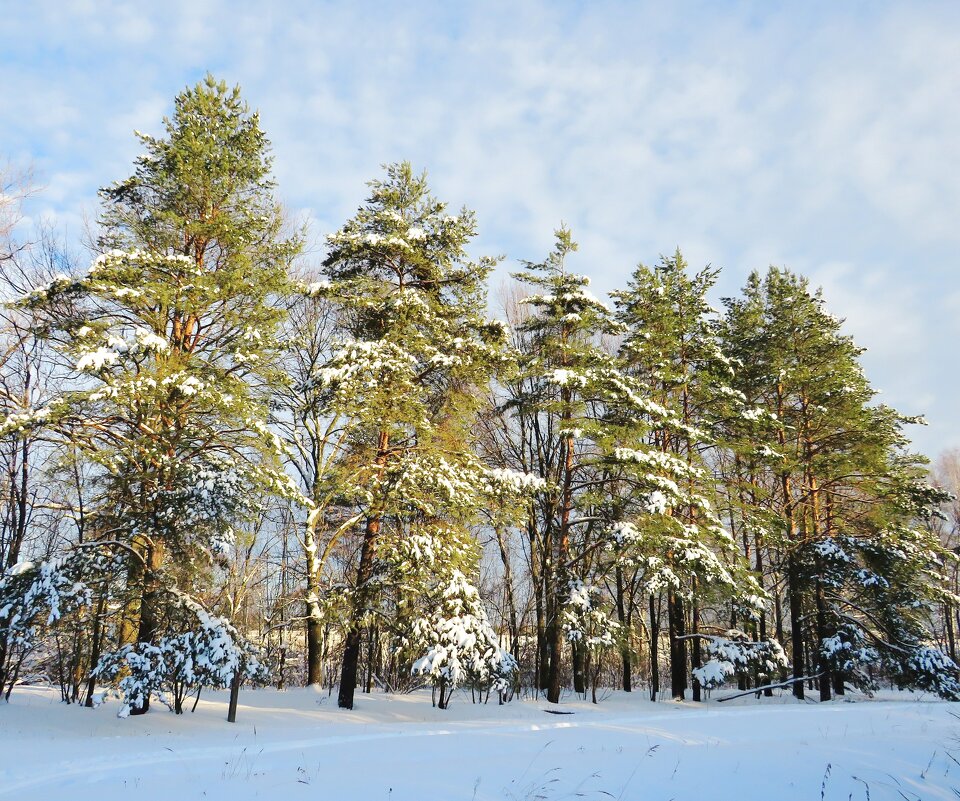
{"x": 224, "y": 462}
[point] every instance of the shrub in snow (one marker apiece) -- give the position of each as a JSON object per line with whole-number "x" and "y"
{"x": 737, "y": 654}
{"x": 849, "y": 655}
{"x": 931, "y": 670}
{"x": 32, "y": 598}
{"x": 584, "y": 621}
{"x": 207, "y": 654}
{"x": 878, "y": 592}
{"x": 461, "y": 646}
{"x": 587, "y": 626}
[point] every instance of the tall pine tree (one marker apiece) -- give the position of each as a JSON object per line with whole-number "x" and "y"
{"x": 415, "y": 357}
{"x": 172, "y": 336}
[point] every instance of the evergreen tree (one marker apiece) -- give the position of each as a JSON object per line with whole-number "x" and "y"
{"x": 595, "y": 417}
{"x": 172, "y": 342}
{"x": 415, "y": 355}
{"x": 461, "y": 647}
{"x": 671, "y": 346}
{"x": 844, "y": 494}
{"x": 562, "y": 371}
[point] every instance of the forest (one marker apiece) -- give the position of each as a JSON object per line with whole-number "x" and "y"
{"x": 226, "y": 459}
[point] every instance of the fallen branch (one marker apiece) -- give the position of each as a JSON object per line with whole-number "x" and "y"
{"x": 777, "y": 686}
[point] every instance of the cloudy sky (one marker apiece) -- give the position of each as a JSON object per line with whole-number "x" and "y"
{"x": 824, "y": 137}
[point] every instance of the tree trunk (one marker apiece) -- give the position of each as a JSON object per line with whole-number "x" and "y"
{"x": 96, "y": 645}
{"x": 678, "y": 646}
{"x": 314, "y": 615}
{"x": 793, "y": 584}
{"x": 354, "y": 639}
{"x": 579, "y": 669}
{"x": 762, "y": 627}
{"x": 625, "y": 654}
{"x": 130, "y": 617}
{"x": 654, "y": 650}
{"x": 510, "y": 602}
{"x": 695, "y": 655}
{"x": 371, "y": 655}
{"x": 560, "y": 568}
{"x": 951, "y": 639}
{"x": 314, "y": 648}
{"x": 796, "y": 623}
{"x": 555, "y": 641}
{"x": 362, "y": 594}
{"x": 234, "y": 695}
{"x": 541, "y": 676}
{"x": 823, "y": 663}
{"x": 150, "y": 604}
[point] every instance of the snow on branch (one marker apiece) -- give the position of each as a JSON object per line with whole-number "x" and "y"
{"x": 207, "y": 652}
{"x": 737, "y": 654}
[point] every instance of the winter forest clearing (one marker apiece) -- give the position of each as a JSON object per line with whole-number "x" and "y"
{"x": 427, "y": 537}
{"x": 297, "y": 744}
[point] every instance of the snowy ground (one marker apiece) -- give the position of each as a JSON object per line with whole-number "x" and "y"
{"x": 297, "y": 744}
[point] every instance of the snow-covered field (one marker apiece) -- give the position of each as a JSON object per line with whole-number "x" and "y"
{"x": 297, "y": 744}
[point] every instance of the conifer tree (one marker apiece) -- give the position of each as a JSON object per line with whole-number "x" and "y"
{"x": 172, "y": 341}
{"x": 844, "y": 493}
{"x": 672, "y": 347}
{"x": 563, "y": 371}
{"x": 595, "y": 417}
{"x": 415, "y": 355}
{"x": 461, "y": 646}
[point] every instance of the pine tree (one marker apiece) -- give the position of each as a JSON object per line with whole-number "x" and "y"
{"x": 844, "y": 494}
{"x": 562, "y": 368}
{"x": 672, "y": 347}
{"x": 461, "y": 646}
{"x": 172, "y": 342}
{"x": 589, "y": 416}
{"x": 415, "y": 355}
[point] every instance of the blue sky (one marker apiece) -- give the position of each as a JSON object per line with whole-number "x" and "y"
{"x": 824, "y": 137}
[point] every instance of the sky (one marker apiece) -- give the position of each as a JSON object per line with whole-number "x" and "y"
{"x": 819, "y": 136}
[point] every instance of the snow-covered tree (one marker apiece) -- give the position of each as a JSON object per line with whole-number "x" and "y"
{"x": 589, "y": 626}
{"x": 558, "y": 402}
{"x": 172, "y": 342}
{"x": 33, "y": 597}
{"x": 461, "y": 648}
{"x": 39, "y": 597}
{"x": 415, "y": 353}
{"x": 199, "y": 650}
{"x": 736, "y": 653}
{"x": 844, "y": 496}
{"x": 684, "y": 549}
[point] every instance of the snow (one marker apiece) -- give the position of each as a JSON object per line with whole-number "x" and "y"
{"x": 148, "y": 340}
{"x": 563, "y": 377}
{"x": 657, "y": 503}
{"x": 516, "y": 482}
{"x": 22, "y": 421}
{"x": 96, "y": 359}
{"x": 297, "y": 744}
{"x": 317, "y": 288}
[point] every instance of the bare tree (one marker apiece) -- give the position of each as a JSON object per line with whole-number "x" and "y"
{"x": 946, "y": 475}
{"x": 16, "y": 185}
